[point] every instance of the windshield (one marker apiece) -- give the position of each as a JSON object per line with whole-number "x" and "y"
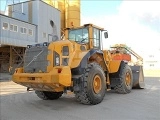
{"x": 79, "y": 35}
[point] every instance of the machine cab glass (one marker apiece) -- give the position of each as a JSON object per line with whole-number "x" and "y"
{"x": 80, "y": 35}
{"x": 96, "y": 38}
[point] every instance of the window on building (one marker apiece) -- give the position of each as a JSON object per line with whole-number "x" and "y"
{"x": 30, "y": 32}
{"x": 11, "y": 27}
{"x": 23, "y": 30}
{"x": 44, "y": 35}
{"x": 5, "y": 26}
{"x": 151, "y": 56}
{"x": 15, "y": 28}
{"x": 151, "y": 65}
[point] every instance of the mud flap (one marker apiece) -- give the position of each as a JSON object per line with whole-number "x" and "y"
{"x": 138, "y": 77}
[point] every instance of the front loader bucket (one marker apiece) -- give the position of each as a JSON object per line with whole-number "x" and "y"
{"x": 138, "y": 77}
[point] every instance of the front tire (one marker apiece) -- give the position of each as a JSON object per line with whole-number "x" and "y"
{"x": 46, "y": 95}
{"x": 94, "y": 85}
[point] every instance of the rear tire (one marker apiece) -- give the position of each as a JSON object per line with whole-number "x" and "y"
{"x": 124, "y": 85}
{"x": 46, "y": 95}
{"x": 94, "y": 85}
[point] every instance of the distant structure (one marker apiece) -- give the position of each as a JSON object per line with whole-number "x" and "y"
{"x": 152, "y": 60}
{"x": 27, "y": 23}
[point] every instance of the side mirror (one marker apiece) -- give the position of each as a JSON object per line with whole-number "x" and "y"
{"x": 105, "y": 34}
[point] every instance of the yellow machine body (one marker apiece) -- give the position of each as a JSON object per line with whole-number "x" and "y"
{"x": 56, "y": 78}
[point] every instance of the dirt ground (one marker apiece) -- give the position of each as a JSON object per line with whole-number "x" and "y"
{"x": 141, "y": 104}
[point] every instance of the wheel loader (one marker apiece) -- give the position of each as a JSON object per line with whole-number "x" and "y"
{"x": 78, "y": 64}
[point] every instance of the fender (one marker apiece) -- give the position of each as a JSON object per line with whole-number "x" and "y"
{"x": 116, "y": 74}
{"x": 80, "y": 69}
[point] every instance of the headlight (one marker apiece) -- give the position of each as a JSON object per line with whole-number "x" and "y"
{"x": 56, "y": 59}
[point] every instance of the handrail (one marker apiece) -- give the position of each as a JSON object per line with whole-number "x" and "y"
{"x": 139, "y": 58}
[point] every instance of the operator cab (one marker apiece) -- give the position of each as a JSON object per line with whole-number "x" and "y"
{"x": 87, "y": 34}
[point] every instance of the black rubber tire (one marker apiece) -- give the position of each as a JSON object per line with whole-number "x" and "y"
{"x": 121, "y": 87}
{"x": 87, "y": 95}
{"x": 45, "y": 95}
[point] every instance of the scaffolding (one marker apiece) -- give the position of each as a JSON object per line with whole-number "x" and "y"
{"x": 10, "y": 58}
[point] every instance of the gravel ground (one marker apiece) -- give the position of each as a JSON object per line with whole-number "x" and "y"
{"x": 143, "y": 104}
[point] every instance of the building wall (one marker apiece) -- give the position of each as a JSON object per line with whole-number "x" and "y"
{"x": 39, "y": 13}
{"x": 13, "y": 35}
{"x": 45, "y": 14}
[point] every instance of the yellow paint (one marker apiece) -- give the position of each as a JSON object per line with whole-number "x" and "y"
{"x": 72, "y": 13}
{"x": 18, "y": 70}
{"x": 107, "y": 55}
{"x": 50, "y": 59}
{"x": 128, "y": 79}
{"x": 114, "y": 66}
{"x": 91, "y": 37}
{"x": 97, "y": 84}
{"x": 63, "y": 78}
{"x": 77, "y": 58}
{"x": 61, "y": 7}
{"x": 53, "y": 80}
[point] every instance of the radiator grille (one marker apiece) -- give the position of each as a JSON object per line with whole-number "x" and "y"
{"x": 35, "y": 59}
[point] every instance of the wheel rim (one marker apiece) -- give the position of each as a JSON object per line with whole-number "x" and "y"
{"x": 97, "y": 84}
{"x": 128, "y": 79}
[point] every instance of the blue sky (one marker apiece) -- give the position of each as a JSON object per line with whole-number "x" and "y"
{"x": 3, "y": 4}
{"x": 99, "y": 7}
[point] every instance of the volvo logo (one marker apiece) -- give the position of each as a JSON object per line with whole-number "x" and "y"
{"x": 34, "y": 58}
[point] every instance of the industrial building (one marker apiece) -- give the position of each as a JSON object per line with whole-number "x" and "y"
{"x": 31, "y": 22}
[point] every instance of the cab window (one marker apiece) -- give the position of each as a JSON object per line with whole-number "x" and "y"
{"x": 96, "y": 38}
{"x": 79, "y": 35}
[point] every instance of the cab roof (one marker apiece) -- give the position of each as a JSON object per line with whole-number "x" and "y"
{"x": 85, "y": 25}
